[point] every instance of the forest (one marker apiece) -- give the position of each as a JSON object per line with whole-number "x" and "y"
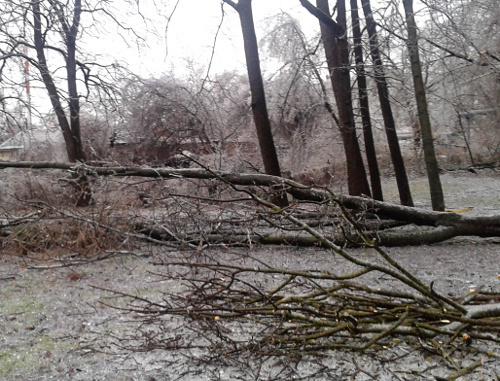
{"x": 285, "y": 203}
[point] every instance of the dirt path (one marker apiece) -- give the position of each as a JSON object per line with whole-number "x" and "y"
{"x": 55, "y": 323}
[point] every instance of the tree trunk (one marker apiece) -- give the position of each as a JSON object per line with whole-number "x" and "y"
{"x": 431, "y": 164}
{"x": 371, "y": 155}
{"x": 333, "y": 35}
{"x": 386, "y": 238}
{"x": 259, "y": 106}
{"x": 385, "y": 107}
{"x": 74, "y": 102}
{"x": 70, "y": 129}
{"x": 50, "y": 85}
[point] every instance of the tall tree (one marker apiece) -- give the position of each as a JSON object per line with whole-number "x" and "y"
{"x": 371, "y": 155}
{"x": 333, "y": 34}
{"x": 69, "y": 124}
{"x": 386, "y": 109}
{"x": 259, "y": 106}
{"x": 69, "y": 29}
{"x": 436, "y": 190}
{"x": 53, "y": 30}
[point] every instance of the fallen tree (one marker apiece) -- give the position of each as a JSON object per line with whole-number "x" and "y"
{"x": 421, "y": 226}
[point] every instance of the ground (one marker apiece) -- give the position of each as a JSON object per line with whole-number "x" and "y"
{"x": 57, "y": 323}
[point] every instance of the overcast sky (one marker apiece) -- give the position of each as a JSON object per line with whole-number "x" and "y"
{"x": 192, "y": 29}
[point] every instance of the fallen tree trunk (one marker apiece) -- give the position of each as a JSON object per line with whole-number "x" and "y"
{"x": 388, "y": 238}
{"x": 443, "y": 225}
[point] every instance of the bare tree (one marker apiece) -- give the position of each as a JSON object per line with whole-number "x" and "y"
{"x": 259, "y": 106}
{"x": 59, "y": 32}
{"x": 386, "y": 109}
{"x": 161, "y": 116}
{"x": 70, "y": 124}
{"x": 364, "y": 105}
{"x": 437, "y": 197}
{"x": 299, "y": 101}
{"x": 337, "y": 54}
{"x": 51, "y": 26}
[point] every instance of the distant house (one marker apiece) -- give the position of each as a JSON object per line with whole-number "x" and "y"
{"x": 174, "y": 154}
{"x": 36, "y": 144}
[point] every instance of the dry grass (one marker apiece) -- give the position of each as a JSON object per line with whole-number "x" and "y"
{"x": 56, "y": 229}
{"x": 45, "y": 224}
{"x": 50, "y": 237}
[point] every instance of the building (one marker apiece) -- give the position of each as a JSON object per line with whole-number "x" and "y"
{"x": 36, "y": 144}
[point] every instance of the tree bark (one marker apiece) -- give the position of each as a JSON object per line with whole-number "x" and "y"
{"x": 431, "y": 164}
{"x": 371, "y": 155}
{"x": 386, "y": 109}
{"x": 333, "y": 35}
{"x": 50, "y": 85}
{"x": 259, "y": 105}
{"x": 71, "y": 33}
{"x": 70, "y": 129}
{"x": 386, "y": 238}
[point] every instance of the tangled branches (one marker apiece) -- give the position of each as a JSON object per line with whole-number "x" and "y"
{"x": 311, "y": 311}
{"x": 270, "y": 311}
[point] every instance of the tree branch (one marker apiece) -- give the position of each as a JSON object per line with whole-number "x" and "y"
{"x": 323, "y": 17}
{"x": 231, "y": 3}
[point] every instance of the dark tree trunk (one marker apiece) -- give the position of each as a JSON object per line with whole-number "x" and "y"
{"x": 385, "y": 107}
{"x": 333, "y": 35}
{"x": 74, "y": 102}
{"x": 70, "y": 129}
{"x": 371, "y": 155}
{"x": 431, "y": 164}
{"x": 50, "y": 85}
{"x": 259, "y": 106}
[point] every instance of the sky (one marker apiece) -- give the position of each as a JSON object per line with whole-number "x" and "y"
{"x": 192, "y": 30}
{"x": 194, "y": 25}
{"x": 182, "y": 44}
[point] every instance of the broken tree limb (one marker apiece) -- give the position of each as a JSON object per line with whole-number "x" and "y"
{"x": 444, "y": 225}
{"x": 388, "y": 238}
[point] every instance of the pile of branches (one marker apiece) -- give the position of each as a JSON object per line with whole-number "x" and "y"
{"x": 284, "y": 312}
{"x": 315, "y": 310}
